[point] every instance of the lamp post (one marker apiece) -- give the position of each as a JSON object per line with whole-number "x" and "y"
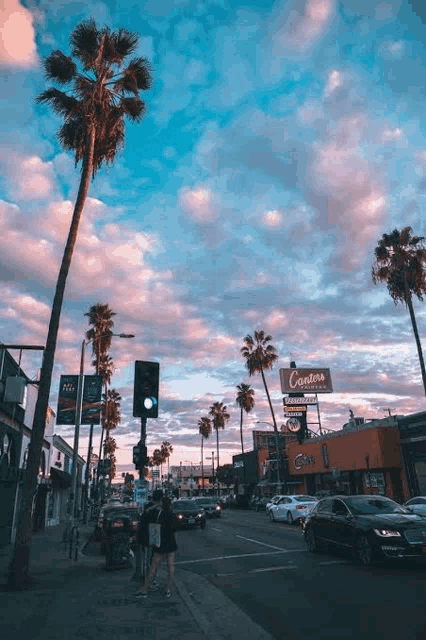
{"x": 78, "y": 421}
{"x": 278, "y": 454}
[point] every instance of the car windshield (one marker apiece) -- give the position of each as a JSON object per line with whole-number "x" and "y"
{"x": 370, "y": 506}
{"x": 209, "y": 502}
{"x": 305, "y": 499}
{"x": 183, "y": 504}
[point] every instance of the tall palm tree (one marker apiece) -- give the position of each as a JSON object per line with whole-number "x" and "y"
{"x": 100, "y": 334}
{"x": 111, "y": 419}
{"x": 245, "y": 400}
{"x": 401, "y": 263}
{"x": 219, "y": 418}
{"x": 204, "y": 429}
{"x": 259, "y": 355}
{"x": 93, "y": 130}
{"x": 166, "y": 450}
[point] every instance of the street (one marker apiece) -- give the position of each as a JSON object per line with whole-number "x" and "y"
{"x": 264, "y": 568}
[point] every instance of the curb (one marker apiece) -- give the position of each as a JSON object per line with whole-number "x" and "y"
{"x": 199, "y": 618}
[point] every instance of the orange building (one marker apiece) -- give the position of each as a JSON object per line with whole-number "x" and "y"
{"x": 358, "y": 459}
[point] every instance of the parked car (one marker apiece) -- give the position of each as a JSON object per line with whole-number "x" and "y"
{"x": 125, "y": 517}
{"x": 417, "y": 505}
{"x": 292, "y": 508}
{"x": 211, "y": 507}
{"x": 273, "y": 500}
{"x": 369, "y": 526}
{"x": 188, "y": 514}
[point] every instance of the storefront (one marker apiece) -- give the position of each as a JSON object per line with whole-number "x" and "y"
{"x": 413, "y": 452}
{"x": 356, "y": 460}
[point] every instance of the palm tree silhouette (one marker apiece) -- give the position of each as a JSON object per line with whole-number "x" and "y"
{"x": 204, "y": 429}
{"x": 93, "y": 130}
{"x": 219, "y": 418}
{"x": 259, "y": 355}
{"x": 245, "y": 400}
{"x": 400, "y": 262}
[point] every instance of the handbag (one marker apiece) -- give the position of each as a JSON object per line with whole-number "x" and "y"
{"x": 155, "y": 532}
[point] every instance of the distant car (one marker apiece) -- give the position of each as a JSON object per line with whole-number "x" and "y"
{"x": 210, "y": 506}
{"x": 273, "y": 500}
{"x": 369, "y": 526}
{"x": 417, "y": 505}
{"x": 188, "y": 514}
{"x": 292, "y": 508}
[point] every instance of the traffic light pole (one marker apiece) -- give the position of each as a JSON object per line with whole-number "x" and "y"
{"x": 143, "y": 441}
{"x": 140, "y": 572}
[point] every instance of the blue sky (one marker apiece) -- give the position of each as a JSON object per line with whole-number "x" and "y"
{"x": 281, "y": 140}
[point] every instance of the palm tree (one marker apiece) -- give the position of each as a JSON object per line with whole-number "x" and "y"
{"x": 204, "y": 429}
{"x": 259, "y": 355}
{"x": 219, "y": 418}
{"x": 245, "y": 400}
{"x": 166, "y": 450}
{"x": 100, "y": 317}
{"x": 111, "y": 417}
{"x": 93, "y": 130}
{"x": 400, "y": 262}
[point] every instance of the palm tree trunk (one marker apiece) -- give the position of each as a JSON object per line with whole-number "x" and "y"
{"x": 19, "y": 567}
{"x": 277, "y": 449}
{"x": 416, "y": 335}
{"x": 217, "y": 459}
{"x": 241, "y": 431}
{"x": 202, "y": 463}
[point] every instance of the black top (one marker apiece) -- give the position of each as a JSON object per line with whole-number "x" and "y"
{"x": 167, "y": 522}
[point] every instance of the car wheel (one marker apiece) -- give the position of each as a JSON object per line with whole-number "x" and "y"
{"x": 271, "y": 516}
{"x": 311, "y": 541}
{"x": 290, "y": 519}
{"x": 364, "y": 551}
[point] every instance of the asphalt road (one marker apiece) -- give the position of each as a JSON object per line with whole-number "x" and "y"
{"x": 265, "y": 569}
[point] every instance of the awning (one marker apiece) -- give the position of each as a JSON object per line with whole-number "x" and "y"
{"x": 60, "y": 479}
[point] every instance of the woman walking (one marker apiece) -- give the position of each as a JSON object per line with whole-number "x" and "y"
{"x": 166, "y": 549}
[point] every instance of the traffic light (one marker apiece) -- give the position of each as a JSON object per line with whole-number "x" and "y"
{"x": 140, "y": 455}
{"x": 145, "y": 394}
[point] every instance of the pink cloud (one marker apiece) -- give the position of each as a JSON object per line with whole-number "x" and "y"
{"x": 301, "y": 32}
{"x": 17, "y": 37}
{"x": 199, "y": 204}
{"x": 29, "y": 178}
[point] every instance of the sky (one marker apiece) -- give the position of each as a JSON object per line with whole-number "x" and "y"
{"x": 281, "y": 140}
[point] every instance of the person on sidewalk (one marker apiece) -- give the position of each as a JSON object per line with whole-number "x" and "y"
{"x": 149, "y": 514}
{"x": 166, "y": 549}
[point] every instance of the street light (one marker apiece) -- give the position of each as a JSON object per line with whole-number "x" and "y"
{"x": 78, "y": 418}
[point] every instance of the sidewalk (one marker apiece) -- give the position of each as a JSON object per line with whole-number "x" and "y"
{"x": 80, "y": 600}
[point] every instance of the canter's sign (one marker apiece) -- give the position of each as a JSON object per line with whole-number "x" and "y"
{"x": 305, "y": 381}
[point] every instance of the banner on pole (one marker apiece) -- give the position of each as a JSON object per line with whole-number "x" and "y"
{"x": 67, "y": 400}
{"x": 92, "y": 397}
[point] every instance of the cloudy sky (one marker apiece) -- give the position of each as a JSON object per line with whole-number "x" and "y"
{"x": 281, "y": 140}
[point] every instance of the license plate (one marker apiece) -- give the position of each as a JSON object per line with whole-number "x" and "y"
{"x": 191, "y": 520}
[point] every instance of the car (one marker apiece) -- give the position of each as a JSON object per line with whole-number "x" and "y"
{"x": 273, "y": 500}
{"x": 188, "y": 514}
{"x": 292, "y": 508}
{"x": 123, "y": 515}
{"x": 371, "y": 527}
{"x": 417, "y": 505}
{"x": 210, "y": 506}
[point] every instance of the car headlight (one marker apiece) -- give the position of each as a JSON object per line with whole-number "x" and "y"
{"x": 218, "y": 508}
{"x": 387, "y": 533}
{"x": 200, "y": 515}
{"x": 180, "y": 517}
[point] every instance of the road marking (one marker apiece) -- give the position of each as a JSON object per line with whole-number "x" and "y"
{"x": 242, "y": 555}
{"x": 214, "y": 529}
{"x": 287, "y": 566}
{"x": 262, "y": 543}
{"x": 333, "y": 562}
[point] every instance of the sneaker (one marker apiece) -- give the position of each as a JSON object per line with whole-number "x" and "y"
{"x": 167, "y": 593}
{"x": 141, "y": 594}
{"x": 154, "y": 587}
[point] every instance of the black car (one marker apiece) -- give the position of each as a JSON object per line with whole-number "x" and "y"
{"x": 370, "y": 526}
{"x": 188, "y": 514}
{"x": 212, "y": 508}
{"x": 114, "y": 519}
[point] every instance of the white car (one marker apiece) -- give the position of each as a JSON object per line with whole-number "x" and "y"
{"x": 417, "y": 505}
{"x": 273, "y": 501}
{"x": 292, "y": 508}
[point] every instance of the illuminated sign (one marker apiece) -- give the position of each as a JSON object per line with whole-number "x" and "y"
{"x": 305, "y": 381}
{"x": 303, "y": 460}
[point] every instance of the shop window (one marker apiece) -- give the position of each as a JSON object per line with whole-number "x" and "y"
{"x": 420, "y": 466}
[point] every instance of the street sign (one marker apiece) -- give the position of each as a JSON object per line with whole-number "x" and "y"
{"x": 293, "y": 414}
{"x": 291, "y": 400}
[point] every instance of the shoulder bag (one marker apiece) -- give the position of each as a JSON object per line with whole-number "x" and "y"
{"x": 155, "y": 532}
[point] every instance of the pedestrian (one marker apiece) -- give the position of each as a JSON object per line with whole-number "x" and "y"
{"x": 149, "y": 514}
{"x": 166, "y": 549}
